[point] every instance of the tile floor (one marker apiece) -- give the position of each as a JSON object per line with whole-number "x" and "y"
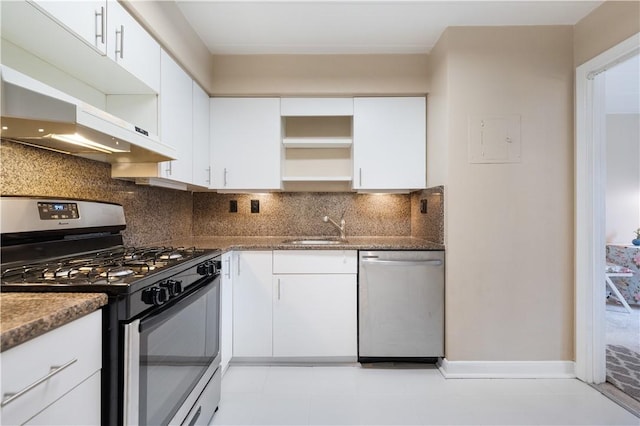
{"x": 354, "y": 395}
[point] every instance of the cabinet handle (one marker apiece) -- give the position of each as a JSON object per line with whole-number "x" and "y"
{"x": 101, "y": 26}
{"x": 208, "y": 175}
{"x": 225, "y": 176}
{"x": 10, "y": 397}
{"x": 121, "y": 33}
{"x": 169, "y": 168}
{"x": 238, "y": 265}
{"x": 278, "y": 288}
{"x": 228, "y": 274}
{"x": 360, "y": 175}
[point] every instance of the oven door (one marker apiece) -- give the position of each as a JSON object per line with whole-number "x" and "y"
{"x": 170, "y": 356}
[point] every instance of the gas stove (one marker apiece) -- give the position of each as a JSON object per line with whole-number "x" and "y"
{"x": 163, "y": 309}
{"x": 113, "y": 271}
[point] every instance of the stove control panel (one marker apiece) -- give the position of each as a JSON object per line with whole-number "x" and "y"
{"x": 161, "y": 292}
{"x": 57, "y": 211}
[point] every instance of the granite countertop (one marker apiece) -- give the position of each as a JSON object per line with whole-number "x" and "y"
{"x": 279, "y": 243}
{"x": 24, "y": 316}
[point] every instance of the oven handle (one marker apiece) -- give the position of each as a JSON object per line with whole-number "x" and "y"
{"x": 131, "y": 373}
{"x": 156, "y": 318}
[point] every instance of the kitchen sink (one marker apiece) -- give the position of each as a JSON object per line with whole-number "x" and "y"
{"x": 315, "y": 242}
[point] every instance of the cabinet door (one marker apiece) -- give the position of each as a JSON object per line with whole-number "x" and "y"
{"x": 201, "y": 155}
{"x": 252, "y": 310}
{"x": 226, "y": 310}
{"x": 245, "y": 140}
{"x": 314, "y": 315}
{"x": 176, "y": 119}
{"x": 389, "y": 143}
{"x": 129, "y": 44}
{"x": 86, "y": 19}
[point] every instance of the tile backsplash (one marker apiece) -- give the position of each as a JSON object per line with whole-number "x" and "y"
{"x": 157, "y": 214}
{"x": 301, "y": 213}
{"x": 152, "y": 214}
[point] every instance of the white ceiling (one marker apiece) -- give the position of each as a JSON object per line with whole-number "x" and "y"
{"x": 359, "y": 26}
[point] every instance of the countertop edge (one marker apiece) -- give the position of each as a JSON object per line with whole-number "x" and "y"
{"x": 47, "y": 321}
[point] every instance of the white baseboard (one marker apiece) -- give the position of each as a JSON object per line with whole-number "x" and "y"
{"x": 507, "y": 369}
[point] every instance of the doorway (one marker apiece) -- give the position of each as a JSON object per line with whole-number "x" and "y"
{"x": 622, "y": 206}
{"x": 590, "y": 205}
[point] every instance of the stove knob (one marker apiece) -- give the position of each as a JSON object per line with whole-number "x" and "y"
{"x": 203, "y": 269}
{"x": 173, "y": 287}
{"x": 155, "y": 296}
{"x": 211, "y": 268}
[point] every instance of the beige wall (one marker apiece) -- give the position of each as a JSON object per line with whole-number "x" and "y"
{"x": 608, "y": 25}
{"x": 265, "y": 75}
{"x": 438, "y": 114}
{"x": 623, "y": 177}
{"x": 166, "y": 23}
{"x": 509, "y": 288}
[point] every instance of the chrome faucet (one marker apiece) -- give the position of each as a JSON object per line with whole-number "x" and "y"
{"x": 341, "y": 227}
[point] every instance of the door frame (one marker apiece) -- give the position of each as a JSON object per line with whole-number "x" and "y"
{"x": 590, "y": 189}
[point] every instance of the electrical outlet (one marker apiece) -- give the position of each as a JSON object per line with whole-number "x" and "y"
{"x": 255, "y": 206}
{"x": 233, "y": 206}
{"x": 423, "y": 206}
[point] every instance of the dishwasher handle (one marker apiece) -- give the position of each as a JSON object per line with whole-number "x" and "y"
{"x": 375, "y": 259}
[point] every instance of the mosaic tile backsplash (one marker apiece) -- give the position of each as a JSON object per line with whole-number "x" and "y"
{"x": 301, "y": 213}
{"x": 152, "y": 214}
{"x": 158, "y": 214}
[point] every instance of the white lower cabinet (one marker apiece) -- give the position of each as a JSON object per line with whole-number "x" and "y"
{"x": 252, "y": 310}
{"x": 226, "y": 311}
{"x": 55, "y": 378}
{"x": 294, "y": 304}
{"x": 314, "y": 315}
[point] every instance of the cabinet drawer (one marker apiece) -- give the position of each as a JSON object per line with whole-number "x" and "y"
{"x": 81, "y": 406}
{"x": 76, "y": 345}
{"x": 315, "y": 262}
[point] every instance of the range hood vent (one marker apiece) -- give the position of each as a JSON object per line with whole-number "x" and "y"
{"x": 38, "y": 115}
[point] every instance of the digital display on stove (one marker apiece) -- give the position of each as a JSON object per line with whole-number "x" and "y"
{"x": 57, "y": 211}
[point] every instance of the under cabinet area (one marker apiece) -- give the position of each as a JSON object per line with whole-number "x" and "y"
{"x": 53, "y": 379}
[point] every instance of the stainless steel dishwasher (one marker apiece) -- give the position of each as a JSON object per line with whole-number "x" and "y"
{"x": 400, "y": 306}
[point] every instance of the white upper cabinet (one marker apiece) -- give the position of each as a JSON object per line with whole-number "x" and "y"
{"x": 245, "y": 142}
{"x": 131, "y": 46}
{"x": 87, "y": 19}
{"x": 389, "y": 143}
{"x": 201, "y": 150}
{"x": 176, "y": 119}
{"x": 96, "y": 42}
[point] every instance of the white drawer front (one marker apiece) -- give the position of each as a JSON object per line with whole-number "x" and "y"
{"x": 315, "y": 262}
{"x": 78, "y": 345}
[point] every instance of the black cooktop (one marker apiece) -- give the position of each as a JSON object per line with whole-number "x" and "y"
{"x": 117, "y": 270}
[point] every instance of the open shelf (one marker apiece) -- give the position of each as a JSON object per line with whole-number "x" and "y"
{"x": 317, "y": 152}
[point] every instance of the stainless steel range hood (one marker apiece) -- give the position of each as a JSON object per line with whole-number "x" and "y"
{"x": 35, "y": 114}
